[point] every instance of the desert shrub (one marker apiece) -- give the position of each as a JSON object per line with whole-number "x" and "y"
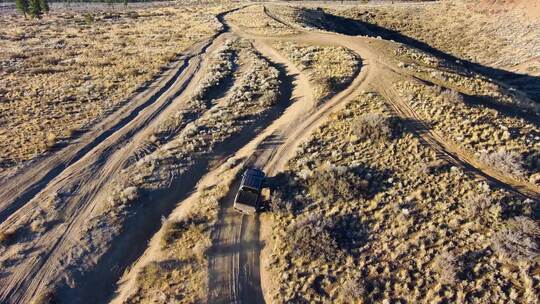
{"x": 506, "y": 161}
{"x": 432, "y": 167}
{"x": 475, "y": 205}
{"x": 129, "y": 194}
{"x": 353, "y": 288}
{"x": 348, "y": 231}
{"x": 310, "y": 238}
{"x": 330, "y": 184}
{"x": 89, "y": 18}
{"x": 373, "y": 126}
{"x": 317, "y": 236}
{"x": 532, "y": 161}
{"x": 518, "y": 239}
{"x": 451, "y": 96}
{"x": 6, "y": 236}
{"x": 155, "y": 273}
{"x": 445, "y": 264}
{"x": 173, "y": 230}
{"x": 50, "y": 140}
{"x": 278, "y": 203}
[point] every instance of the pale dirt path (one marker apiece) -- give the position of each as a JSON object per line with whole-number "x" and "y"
{"x": 85, "y": 179}
{"x": 236, "y": 271}
{"x": 228, "y": 282}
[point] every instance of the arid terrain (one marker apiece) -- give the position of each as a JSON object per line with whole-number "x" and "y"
{"x": 400, "y": 143}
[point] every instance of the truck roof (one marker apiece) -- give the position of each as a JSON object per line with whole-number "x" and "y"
{"x": 247, "y": 197}
{"x": 253, "y": 178}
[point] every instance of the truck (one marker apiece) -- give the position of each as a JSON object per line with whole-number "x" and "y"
{"x": 248, "y": 197}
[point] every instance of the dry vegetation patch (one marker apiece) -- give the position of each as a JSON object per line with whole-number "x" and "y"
{"x": 329, "y": 68}
{"x": 400, "y": 224}
{"x": 499, "y": 137}
{"x": 61, "y": 73}
{"x": 457, "y": 28}
{"x": 254, "y": 20}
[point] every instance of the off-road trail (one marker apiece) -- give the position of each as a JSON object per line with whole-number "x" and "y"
{"x": 83, "y": 171}
{"x": 79, "y": 176}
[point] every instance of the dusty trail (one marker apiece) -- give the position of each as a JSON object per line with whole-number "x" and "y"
{"x": 235, "y": 275}
{"x": 235, "y": 272}
{"x": 83, "y": 180}
{"x": 233, "y": 248}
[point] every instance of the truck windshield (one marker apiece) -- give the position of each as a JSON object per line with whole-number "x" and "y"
{"x": 247, "y": 189}
{"x": 247, "y": 197}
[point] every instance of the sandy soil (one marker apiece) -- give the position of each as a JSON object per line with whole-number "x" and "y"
{"x": 66, "y": 243}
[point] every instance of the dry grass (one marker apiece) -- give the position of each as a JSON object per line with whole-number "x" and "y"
{"x": 462, "y": 30}
{"x": 62, "y": 73}
{"x": 253, "y": 20}
{"x": 409, "y": 237}
{"x": 499, "y": 137}
{"x": 329, "y": 68}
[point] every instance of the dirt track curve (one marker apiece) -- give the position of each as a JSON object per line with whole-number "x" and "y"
{"x": 234, "y": 263}
{"x": 86, "y": 167}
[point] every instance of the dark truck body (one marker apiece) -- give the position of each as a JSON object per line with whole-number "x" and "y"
{"x": 249, "y": 192}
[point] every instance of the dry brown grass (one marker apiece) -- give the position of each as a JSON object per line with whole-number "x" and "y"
{"x": 409, "y": 237}
{"x": 253, "y": 20}
{"x": 329, "y": 68}
{"x": 63, "y": 72}
{"x": 456, "y": 27}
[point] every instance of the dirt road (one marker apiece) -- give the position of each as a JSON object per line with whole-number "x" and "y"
{"x": 81, "y": 173}
{"x": 234, "y": 262}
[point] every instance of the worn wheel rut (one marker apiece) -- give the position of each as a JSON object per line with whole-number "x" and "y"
{"x": 235, "y": 271}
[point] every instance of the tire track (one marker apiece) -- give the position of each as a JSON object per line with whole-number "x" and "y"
{"x": 89, "y": 174}
{"x": 269, "y": 151}
{"x": 455, "y": 154}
